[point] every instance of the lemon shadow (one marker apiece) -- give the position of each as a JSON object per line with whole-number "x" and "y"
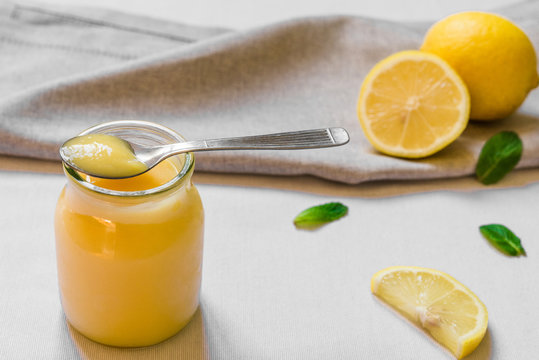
{"x": 190, "y": 343}
{"x": 525, "y": 124}
{"x": 484, "y": 350}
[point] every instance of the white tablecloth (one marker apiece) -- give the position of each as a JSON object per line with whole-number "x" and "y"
{"x": 271, "y": 291}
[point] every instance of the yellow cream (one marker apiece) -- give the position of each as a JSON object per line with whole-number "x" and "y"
{"x": 103, "y": 155}
{"x": 129, "y": 268}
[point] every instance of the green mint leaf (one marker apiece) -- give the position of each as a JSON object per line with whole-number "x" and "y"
{"x": 503, "y": 239}
{"x": 319, "y": 215}
{"x": 498, "y": 157}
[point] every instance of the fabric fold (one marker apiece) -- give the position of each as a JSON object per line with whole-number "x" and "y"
{"x": 68, "y": 69}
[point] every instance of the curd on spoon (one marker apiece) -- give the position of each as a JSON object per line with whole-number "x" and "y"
{"x": 102, "y": 155}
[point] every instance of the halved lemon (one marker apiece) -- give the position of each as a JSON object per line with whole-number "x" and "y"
{"x": 413, "y": 104}
{"x": 436, "y": 302}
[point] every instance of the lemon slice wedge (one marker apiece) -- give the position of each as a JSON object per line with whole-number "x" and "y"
{"x": 436, "y": 302}
{"x": 413, "y": 104}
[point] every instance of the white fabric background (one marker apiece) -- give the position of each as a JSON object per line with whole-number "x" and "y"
{"x": 273, "y": 292}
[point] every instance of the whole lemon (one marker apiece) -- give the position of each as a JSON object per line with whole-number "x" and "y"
{"x": 492, "y": 55}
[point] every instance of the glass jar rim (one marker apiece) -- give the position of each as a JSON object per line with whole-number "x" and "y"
{"x": 134, "y": 125}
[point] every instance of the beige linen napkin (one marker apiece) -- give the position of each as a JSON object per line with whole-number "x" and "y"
{"x": 65, "y": 69}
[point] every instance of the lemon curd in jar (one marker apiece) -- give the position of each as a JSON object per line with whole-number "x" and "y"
{"x": 129, "y": 253}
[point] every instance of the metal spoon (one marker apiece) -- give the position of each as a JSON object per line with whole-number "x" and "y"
{"x": 152, "y": 155}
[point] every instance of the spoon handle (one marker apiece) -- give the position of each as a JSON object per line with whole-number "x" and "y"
{"x": 305, "y": 139}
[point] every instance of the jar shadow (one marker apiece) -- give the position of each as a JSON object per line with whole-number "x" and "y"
{"x": 190, "y": 343}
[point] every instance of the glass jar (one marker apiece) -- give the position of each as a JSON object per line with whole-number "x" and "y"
{"x": 129, "y": 251}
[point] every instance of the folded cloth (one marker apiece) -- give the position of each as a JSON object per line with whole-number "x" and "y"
{"x": 65, "y": 69}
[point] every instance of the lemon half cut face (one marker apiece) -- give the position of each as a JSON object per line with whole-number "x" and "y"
{"x": 413, "y": 104}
